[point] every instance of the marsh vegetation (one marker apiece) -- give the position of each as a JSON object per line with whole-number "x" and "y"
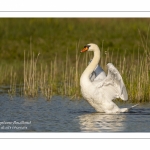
{"x": 42, "y": 56}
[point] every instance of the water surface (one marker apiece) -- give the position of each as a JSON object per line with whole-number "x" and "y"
{"x": 65, "y": 115}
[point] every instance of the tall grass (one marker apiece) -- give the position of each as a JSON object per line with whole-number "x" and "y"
{"x": 61, "y": 77}
{"x": 57, "y": 72}
{"x": 12, "y": 90}
{"x": 30, "y": 76}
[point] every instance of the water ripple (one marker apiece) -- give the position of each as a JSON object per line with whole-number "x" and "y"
{"x": 65, "y": 115}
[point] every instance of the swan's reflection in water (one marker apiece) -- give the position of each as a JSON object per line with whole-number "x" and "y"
{"x": 100, "y": 122}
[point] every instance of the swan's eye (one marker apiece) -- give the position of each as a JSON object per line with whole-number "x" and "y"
{"x": 88, "y": 46}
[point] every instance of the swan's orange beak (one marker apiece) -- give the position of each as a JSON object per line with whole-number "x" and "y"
{"x": 84, "y": 49}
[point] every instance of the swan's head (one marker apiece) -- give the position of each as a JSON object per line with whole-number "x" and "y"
{"x": 89, "y": 47}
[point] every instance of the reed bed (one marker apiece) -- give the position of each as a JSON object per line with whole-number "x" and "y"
{"x": 56, "y": 71}
{"x": 61, "y": 77}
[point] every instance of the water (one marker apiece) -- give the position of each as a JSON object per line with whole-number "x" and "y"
{"x": 65, "y": 115}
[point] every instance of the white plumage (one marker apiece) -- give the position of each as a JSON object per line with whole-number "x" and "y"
{"x": 98, "y": 89}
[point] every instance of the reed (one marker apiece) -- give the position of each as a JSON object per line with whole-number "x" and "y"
{"x": 12, "y": 89}
{"x": 30, "y": 75}
{"x": 61, "y": 77}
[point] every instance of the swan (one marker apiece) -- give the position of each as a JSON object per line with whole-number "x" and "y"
{"x": 98, "y": 89}
{"x": 97, "y": 74}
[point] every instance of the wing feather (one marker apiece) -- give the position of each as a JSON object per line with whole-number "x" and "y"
{"x": 113, "y": 84}
{"x": 97, "y": 74}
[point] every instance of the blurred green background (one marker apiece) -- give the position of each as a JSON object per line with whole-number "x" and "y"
{"x": 50, "y": 36}
{"x": 126, "y": 41}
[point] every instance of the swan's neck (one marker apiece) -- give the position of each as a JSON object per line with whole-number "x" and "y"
{"x": 90, "y": 68}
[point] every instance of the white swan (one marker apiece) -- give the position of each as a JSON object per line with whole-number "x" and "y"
{"x": 97, "y": 74}
{"x": 101, "y": 90}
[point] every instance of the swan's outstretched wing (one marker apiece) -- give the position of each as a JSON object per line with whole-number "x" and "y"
{"x": 97, "y": 74}
{"x": 113, "y": 84}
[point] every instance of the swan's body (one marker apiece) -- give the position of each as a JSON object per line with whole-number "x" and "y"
{"x": 100, "y": 90}
{"x": 97, "y": 74}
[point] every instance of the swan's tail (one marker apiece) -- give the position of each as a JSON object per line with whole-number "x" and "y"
{"x": 133, "y": 106}
{"x": 127, "y": 109}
